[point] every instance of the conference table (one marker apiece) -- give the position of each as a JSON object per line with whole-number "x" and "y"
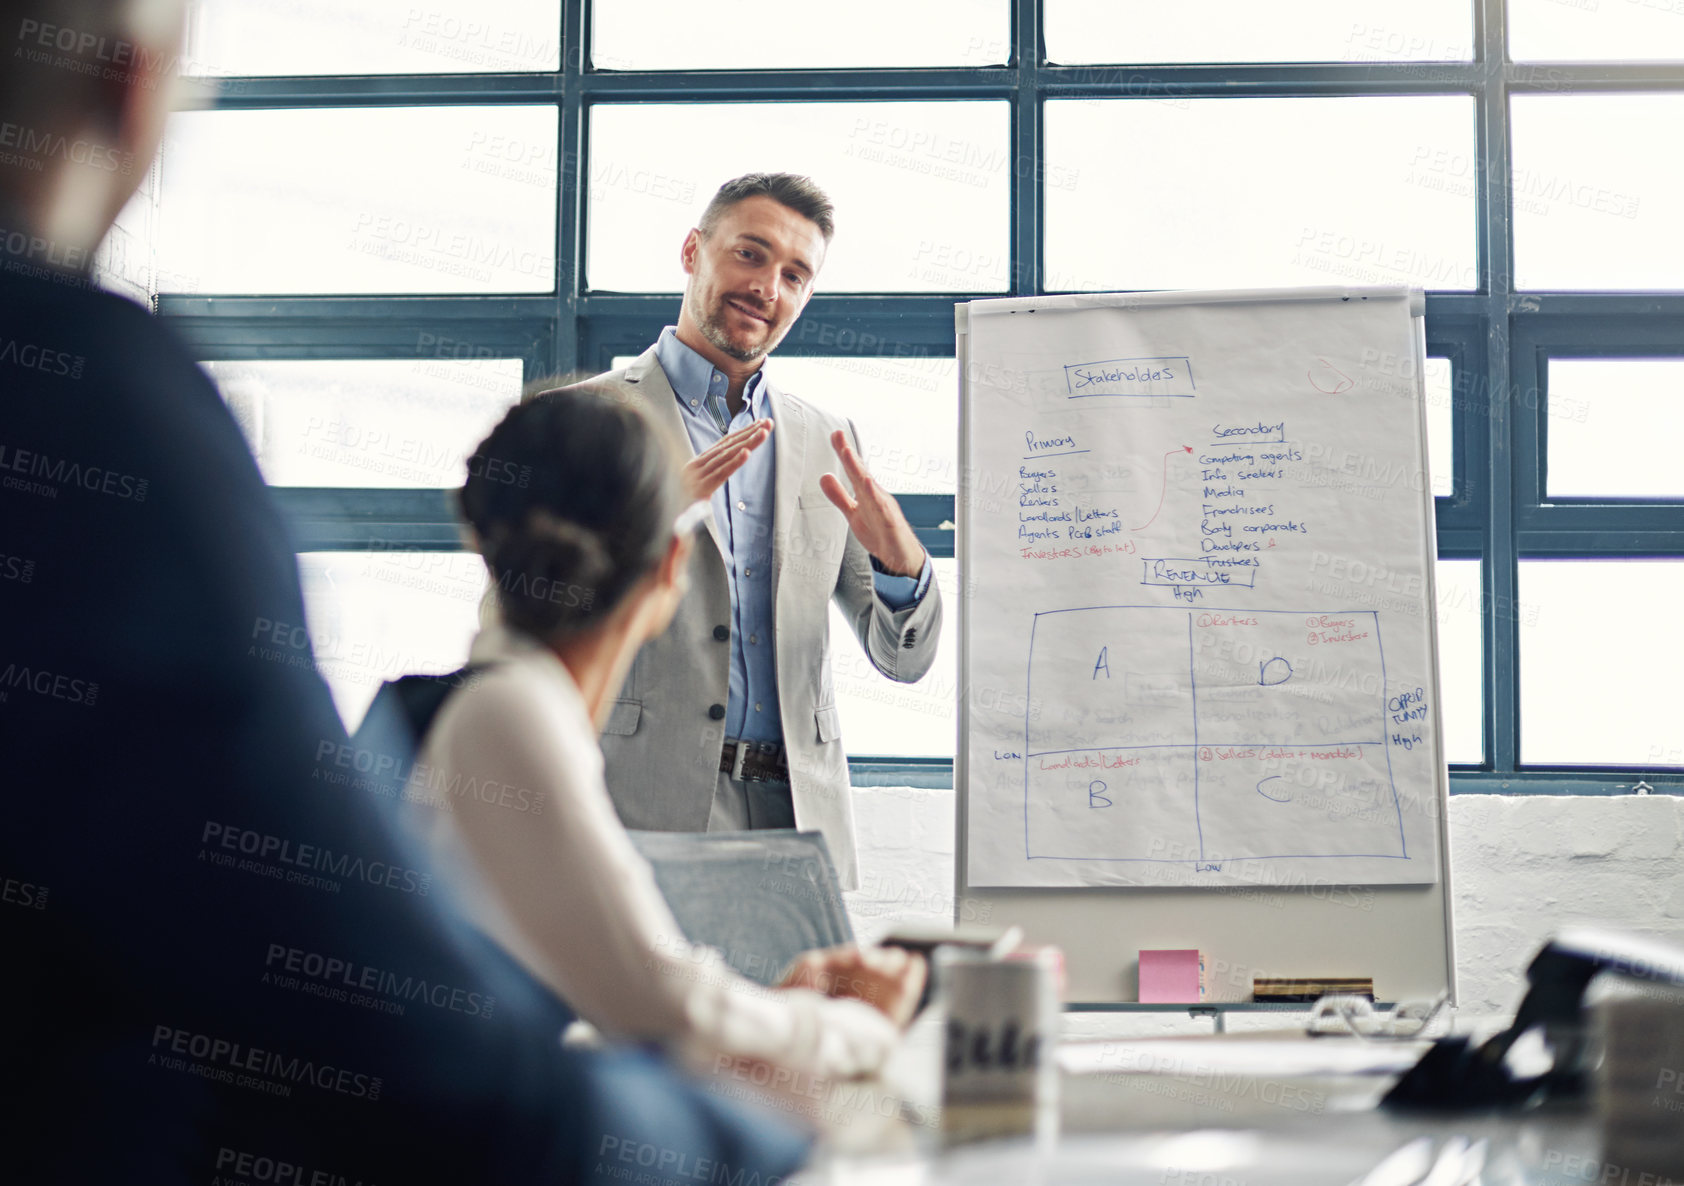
{"x": 1176, "y": 1113}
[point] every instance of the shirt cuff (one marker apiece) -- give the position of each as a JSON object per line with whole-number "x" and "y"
{"x": 898, "y": 592}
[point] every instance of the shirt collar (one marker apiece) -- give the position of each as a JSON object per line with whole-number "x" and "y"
{"x": 692, "y": 376}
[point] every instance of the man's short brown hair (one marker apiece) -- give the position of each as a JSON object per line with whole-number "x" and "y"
{"x": 800, "y": 194}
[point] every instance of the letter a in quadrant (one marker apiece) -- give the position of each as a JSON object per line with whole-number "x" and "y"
{"x": 1102, "y": 664}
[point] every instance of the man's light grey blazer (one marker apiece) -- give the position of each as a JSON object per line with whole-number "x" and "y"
{"x": 662, "y": 746}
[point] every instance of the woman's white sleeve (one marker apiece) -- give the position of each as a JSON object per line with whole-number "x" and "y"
{"x": 555, "y": 878}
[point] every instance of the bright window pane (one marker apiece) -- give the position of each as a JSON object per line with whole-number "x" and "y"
{"x": 360, "y": 200}
{"x": 367, "y": 422}
{"x": 1595, "y": 30}
{"x": 1461, "y": 633}
{"x": 744, "y": 34}
{"x": 1245, "y": 193}
{"x": 1595, "y": 205}
{"x": 1080, "y": 31}
{"x": 922, "y": 190}
{"x": 374, "y": 616}
{"x": 1440, "y": 420}
{"x": 372, "y": 37}
{"x": 906, "y": 411}
{"x": 880, "y": 716}
{"x": 1598, "y": 641}
{"x": 1611, "y": 426}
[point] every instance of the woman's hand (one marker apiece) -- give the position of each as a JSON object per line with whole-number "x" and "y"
{"x": 890, "y": 978}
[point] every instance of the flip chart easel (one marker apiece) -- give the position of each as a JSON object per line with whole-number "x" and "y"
{"x": 1198, "y": 636}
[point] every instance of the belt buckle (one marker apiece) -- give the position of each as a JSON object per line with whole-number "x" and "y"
{"x": 763, "y": 752}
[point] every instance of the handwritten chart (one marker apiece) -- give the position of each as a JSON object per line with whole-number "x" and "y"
{"x": 1198, "y": 628}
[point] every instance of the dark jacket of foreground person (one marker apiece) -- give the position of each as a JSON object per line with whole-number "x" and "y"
{"x": 222, "y": 961}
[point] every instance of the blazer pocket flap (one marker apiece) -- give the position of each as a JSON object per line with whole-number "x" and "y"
{"x": 810, "y": 499}
{"x": 830, "y": 728}
{"x": 623, "y": 717}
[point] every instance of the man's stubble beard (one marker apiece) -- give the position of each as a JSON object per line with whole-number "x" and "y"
{"x": 713, "y": 329}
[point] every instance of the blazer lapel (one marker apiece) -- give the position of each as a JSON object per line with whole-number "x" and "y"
{"x": 661, "y": 400}
{"x": 789, "y": 440}
{"x": 645, "y": 372}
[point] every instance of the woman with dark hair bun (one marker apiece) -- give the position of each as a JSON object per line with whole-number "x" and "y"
{"x": 571, "y": 501}
{"x": 576, "y": 504}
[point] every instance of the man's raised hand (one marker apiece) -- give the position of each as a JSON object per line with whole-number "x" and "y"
{"x": 873, "y": 515}
{"x": 709, "y": 469}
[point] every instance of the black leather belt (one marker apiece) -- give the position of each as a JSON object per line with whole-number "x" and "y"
{"x": 763, "y": 761}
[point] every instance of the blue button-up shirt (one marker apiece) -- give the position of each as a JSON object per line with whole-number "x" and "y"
{"x": 742, "y": 510}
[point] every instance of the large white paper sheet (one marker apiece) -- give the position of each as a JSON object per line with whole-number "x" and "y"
{"x": 1197, "y": 548}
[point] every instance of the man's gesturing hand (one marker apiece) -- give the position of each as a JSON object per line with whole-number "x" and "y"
{"x": 709, "y": 469}
{"x": 873, "y": 515}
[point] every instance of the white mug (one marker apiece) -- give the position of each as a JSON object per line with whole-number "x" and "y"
{"x": 1002, "y": 1025}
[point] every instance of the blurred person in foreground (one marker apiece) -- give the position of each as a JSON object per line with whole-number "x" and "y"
{"x": 728, "y": 720}
{"x": 587, "y": 567}
{"x": 220, "y": 959}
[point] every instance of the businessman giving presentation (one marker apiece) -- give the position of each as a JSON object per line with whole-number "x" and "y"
{"x": 728, "y": 721}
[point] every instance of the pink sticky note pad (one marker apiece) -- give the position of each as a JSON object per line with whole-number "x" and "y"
{"x": 1171, "y": 977}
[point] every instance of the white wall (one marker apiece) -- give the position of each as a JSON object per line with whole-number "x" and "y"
{"x": 123, "y": 261}
{"x": 1521, "y": 867}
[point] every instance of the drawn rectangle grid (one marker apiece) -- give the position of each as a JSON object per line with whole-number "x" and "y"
{"x": 1379, "y": 814}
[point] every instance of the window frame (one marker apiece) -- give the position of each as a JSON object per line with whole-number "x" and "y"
{"x": 1498, "y": 340}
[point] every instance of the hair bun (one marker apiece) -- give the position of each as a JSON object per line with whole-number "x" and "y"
{"x": 551, "y": 573}
{"x": 572, "y": 499}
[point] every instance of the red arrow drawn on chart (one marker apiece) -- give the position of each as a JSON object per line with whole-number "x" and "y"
{"x": 1165, "y": 487}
